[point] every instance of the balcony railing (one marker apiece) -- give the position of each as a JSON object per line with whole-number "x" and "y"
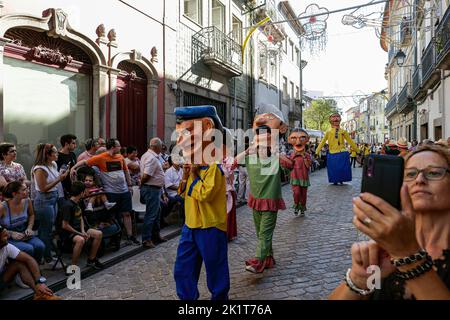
{"x": 217, "y": 50}
{"x": 443, "y": 42}
{"x": 404, "y": 100}
{"x": 428, "y": 61}
{"x": 391, "y": 105}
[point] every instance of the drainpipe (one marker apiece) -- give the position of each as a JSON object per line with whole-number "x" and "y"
{"x": 443, "y": 104}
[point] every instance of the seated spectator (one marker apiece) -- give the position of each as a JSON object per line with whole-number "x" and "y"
{"x": 73, "y": 228}
{"x": 14, "y": 262}
{"x": 134, "y": 165}
{"x": 419, "y": 232}
{"x": 17, "y": 216}
{"x": 10, "y": 170}
{"x": 95, "y": 195}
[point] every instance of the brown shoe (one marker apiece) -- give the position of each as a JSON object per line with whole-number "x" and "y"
{"x": 148, "y": 244}
{"x": 43, "y": 296}
{"x": 159, "y": 240}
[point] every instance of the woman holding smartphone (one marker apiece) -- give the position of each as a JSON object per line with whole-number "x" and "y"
{"x": 410, "y": 246}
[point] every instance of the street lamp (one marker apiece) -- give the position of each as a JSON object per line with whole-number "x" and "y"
{"x": 400, "y": 57}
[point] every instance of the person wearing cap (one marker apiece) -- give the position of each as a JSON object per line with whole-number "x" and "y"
{"x": 265, "y": 198}
{"x": 338, "y": 158}
{"x": 402, "y": 146}
{"x": 203, "y": 237}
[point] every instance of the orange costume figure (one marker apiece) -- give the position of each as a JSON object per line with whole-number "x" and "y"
{"x": 299, "y": 163}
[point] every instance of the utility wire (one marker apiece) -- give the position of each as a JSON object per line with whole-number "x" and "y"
{"x": 326, "y": 13}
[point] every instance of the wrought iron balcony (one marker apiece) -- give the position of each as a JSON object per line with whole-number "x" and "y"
{"x": 391, "y": 106}
{"x": 269, "y": 10}
{"x": 218, "y": 51}
{"x": 442, "y": 39}
{"x": 430, "y": 76}
{"x": 404, "y": 101}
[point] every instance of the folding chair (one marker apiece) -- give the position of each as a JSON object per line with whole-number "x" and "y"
{"x": 137, "y": 207}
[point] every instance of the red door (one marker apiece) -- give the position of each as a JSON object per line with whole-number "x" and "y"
{"x": 132, "y": 112}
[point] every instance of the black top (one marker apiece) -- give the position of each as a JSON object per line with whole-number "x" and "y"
{"x": 72, "y": 213}
{"x": 70, "y": 160}
{"x": 393, "y": 288}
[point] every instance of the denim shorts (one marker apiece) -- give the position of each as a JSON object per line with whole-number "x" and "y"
{"x": 123, "y": 201}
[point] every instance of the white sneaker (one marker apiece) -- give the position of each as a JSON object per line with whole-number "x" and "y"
{"x": 20, "y": 283}
{"x": 89, "y": 207}
{"x": 109, "y": 205}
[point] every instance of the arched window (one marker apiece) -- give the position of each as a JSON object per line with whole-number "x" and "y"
{"x": 47, "y": 91}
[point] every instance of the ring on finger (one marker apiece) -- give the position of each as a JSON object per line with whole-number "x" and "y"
{"x": 367, "y": 221}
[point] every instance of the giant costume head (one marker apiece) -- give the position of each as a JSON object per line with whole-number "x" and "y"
{"x": 197, "y": 128}
{"x": 268, "y": 121}
{"x": 298, "y": 139}
{"x": 335, "y": 120}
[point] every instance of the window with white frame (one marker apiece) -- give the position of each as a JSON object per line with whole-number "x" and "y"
{"x": 285, "y": 88}
{"x": 237, "y": 30}
{"x": 291, "y": 50}
{"x": 193, "y": 10}
{"x": 273, "y": 71}
{"x": 297, "y": 56}
{"x": 262, "y": 49}
{"x": 218, "y": 15}
{"x": 292, "y": 90}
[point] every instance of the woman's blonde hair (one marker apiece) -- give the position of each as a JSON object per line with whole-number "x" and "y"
{"x": 441, "y": 150}
{"x": 43, "y": 150}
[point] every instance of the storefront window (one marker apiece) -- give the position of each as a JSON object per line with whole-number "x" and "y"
{"x": 42, "y": 103}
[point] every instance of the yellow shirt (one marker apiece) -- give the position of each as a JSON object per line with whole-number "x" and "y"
{"x": 366, "y": 151}
{"x": 336, "y": 144}
{"x": 352, "y": 153}
{"x": 205, "y": 199}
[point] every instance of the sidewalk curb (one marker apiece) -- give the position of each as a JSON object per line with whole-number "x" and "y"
{"x": 59, "y": 285}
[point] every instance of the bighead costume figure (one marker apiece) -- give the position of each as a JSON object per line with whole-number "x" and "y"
{"x": 338, "y": 158}
{"x": 265, "y": 198}
{"x": 299, "y": 163}
{"x": 203, "y": 236}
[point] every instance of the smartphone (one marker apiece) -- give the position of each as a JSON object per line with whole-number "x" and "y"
{"x": 383, "y": 177}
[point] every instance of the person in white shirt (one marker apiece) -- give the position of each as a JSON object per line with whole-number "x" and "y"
{"x": 173, "y": 177}
{"x": 17, "y": 264}
{"x": 152, "y": 182}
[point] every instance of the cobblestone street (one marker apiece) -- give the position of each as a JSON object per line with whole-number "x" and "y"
{"x": 312, "y": 254}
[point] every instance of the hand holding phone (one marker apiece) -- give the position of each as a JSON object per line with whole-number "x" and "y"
{"x": 383, "y": 177}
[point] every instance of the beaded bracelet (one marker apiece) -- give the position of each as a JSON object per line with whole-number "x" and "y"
{"x": 422, "y": 254}
{"x": 354, "y": 288}
{"x": 417, "y": 271}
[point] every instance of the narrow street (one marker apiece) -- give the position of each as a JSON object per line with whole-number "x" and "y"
{"x": 312, "y": 254}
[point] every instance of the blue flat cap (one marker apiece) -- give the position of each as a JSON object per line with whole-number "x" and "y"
{"x": 195, "y": 112}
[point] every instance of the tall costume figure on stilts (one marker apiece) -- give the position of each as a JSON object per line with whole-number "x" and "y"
{"x": 263, "y": 166}
{"x": 203, "y": 237}
{"x": 338, "y": 158}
